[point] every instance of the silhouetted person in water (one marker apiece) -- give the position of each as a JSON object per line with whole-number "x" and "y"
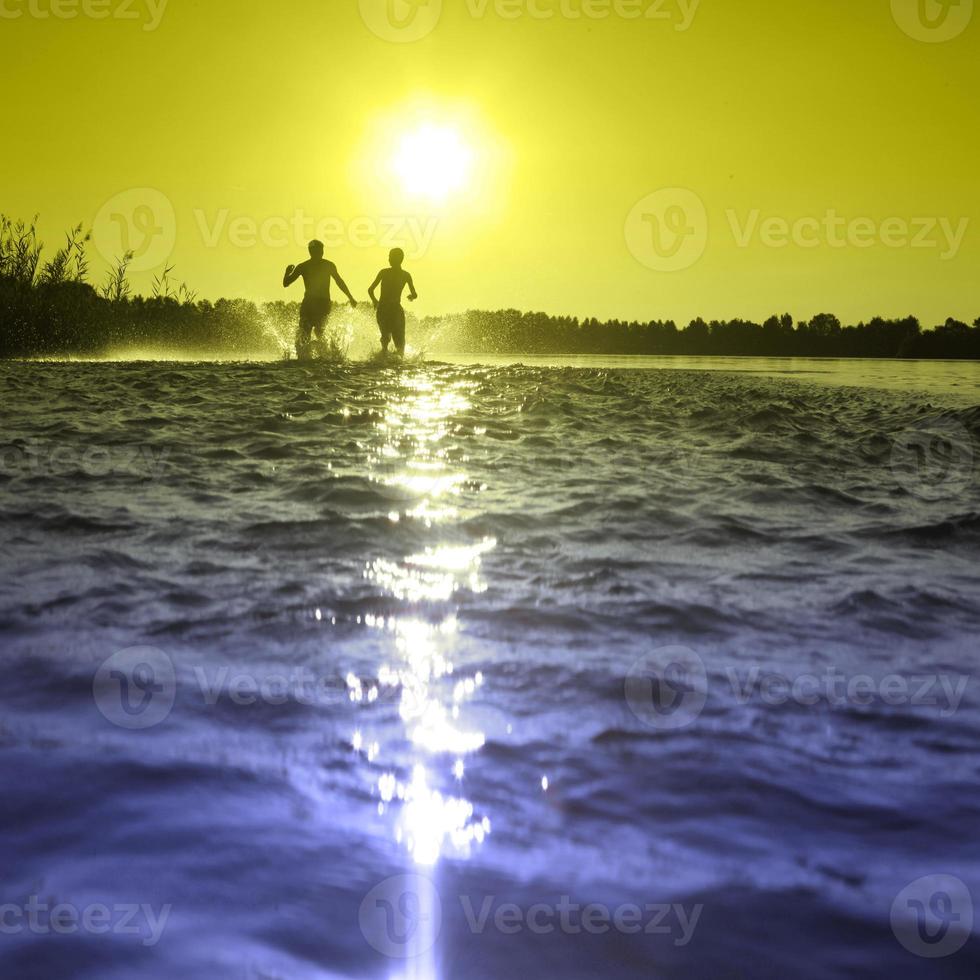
{"x": 317, "y": 273}
{"x": 391, "y": 316}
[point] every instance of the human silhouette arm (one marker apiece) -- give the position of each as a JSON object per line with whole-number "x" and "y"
{"x": 293, "y": 272}
{"x": 412, "y": 295}
{"x": 374, "y": 286}
{"x": 343, "y": 288}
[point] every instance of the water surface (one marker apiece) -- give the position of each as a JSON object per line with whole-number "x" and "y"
{"x": 385, "y": 620}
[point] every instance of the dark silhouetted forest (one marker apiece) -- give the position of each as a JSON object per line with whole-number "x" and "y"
{"x": 49, "y": 309}
{"x": 510, "y": 331}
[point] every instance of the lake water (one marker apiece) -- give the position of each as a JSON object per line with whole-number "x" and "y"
{"x": 632, "y": 667}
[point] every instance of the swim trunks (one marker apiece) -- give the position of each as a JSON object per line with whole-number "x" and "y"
{"x": 391, "y": 321}
{"x": 313, "y": 314}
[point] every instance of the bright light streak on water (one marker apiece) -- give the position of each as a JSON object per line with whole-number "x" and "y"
{"x": 428, "y": 821}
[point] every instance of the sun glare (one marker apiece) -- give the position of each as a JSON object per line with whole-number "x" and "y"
{"x": 434, "y": 162}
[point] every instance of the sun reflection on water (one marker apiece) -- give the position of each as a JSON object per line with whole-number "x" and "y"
{"x": 430, "y": 816}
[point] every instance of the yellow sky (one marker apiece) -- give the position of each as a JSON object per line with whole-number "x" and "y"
{"x": 833, "y": 147}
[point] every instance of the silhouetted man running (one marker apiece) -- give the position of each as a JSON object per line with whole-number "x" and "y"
{"x": 316, "y": 273}
{"x": 391, "y": 316}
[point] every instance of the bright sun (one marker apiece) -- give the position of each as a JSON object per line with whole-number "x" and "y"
{"x": 433, "y": 161}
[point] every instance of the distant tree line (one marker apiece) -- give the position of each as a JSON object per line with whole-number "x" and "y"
{"x": 49, "y": 309}
{"x": 513, "y": 332}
